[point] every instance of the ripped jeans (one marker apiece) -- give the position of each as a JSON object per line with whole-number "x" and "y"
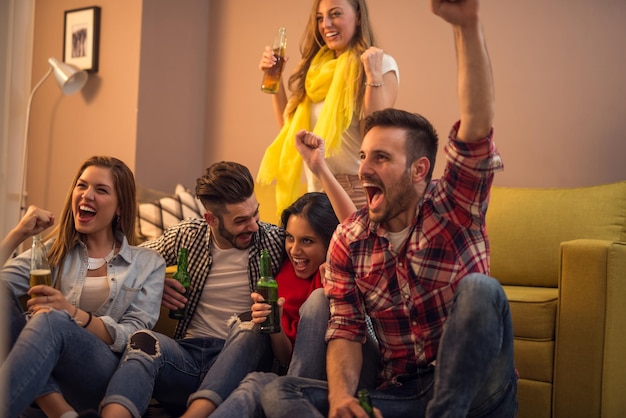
{"x": 156, "y": 366}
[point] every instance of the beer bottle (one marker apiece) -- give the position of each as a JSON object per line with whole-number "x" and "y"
{"x": 268, "y": 288}
{"x": 366, "y": 402}
{"x": 39, "y": 266}
{"x": 183, "y": 277}
{"x": 271, "y": 78}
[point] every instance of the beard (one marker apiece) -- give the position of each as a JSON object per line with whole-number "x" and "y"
{"x": 398, "y": 199}
{"x": 230, "y": 237}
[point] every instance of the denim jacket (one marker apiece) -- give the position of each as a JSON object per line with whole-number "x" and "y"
{"x": 135, "y": 275}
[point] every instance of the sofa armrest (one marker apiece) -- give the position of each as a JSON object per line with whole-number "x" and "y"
{"x": 166, "y": 325}
{"x": 590, "y": 367}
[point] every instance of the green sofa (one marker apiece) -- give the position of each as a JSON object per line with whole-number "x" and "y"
{"x": 561, "y": 256}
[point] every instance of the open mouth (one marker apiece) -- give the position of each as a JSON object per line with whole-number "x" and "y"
{"x": 246, "y": 236}
{"x": 374, "y": 194}
{"x": 331, "y": 35}
{"x": 86, "y": 213}
{"x": 300, "y": 264}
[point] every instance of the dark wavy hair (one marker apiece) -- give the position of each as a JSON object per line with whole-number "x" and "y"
{"x": 315, "y": 207}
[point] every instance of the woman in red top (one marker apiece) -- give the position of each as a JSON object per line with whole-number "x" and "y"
{"x": 309, "y": 224}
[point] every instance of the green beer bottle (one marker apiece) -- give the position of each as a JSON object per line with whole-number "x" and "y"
{"x": 268, "y": 288}
{"x": 366, "y": 402}
{"x": 183, "y": 277}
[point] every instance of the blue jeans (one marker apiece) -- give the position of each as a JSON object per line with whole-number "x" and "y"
{"x": 155, "y": 365}
{"x": 245, "y": 350}
{"x": 177, "y": 371}
{"x": 308, "y": 361}
{"x": 474, "y": 375}
{"x": 54, "y": 354}
{"x": 245, "y": 401}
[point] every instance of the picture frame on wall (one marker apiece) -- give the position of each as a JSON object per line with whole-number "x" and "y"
{"x": 81, "y": 38}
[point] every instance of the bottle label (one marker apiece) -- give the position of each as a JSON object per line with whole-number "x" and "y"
{"x": 272, "y": 322}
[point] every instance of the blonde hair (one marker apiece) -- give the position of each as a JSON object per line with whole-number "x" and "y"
{"x": 124, "y": 183}
{"x": 312, "y": 41}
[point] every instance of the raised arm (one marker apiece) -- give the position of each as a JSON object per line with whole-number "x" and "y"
{"x": 311, "y": 148}
{"x": 475, "y": 79}
{"x": 381, "y": 90}
{"x": 34, "y": 222}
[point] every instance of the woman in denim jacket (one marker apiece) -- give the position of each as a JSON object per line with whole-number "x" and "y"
{"x": 104, "y": 288}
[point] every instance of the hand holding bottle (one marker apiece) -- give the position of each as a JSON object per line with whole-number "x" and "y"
{"x": 44, "y": 297}
{"x": 272, "y": 63}
{"x": 261, "y": 310}
{"x": 182, "y": 276}
{"x": 267, "y": 288}
{"x": 173, "y": 294}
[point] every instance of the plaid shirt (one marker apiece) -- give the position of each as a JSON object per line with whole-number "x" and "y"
{"x": 195, "y": 235}
{"x": 407, "y": 293}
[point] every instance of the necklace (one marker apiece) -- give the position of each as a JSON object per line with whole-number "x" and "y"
{"x": 96, "y": 263}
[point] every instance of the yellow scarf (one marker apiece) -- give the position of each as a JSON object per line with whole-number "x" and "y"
{"x": 329, "y": 79}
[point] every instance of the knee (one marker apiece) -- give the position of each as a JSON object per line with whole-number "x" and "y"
{"x": 479, "y": 285}
{"x": 257, "y": 380}
{"x": 144, "y": 342}
{"x": 477, "y": 289}
{"x": 272, "y": 392}
{"x": 237, "y": 326}
{"x": 316, "y": 305}
{"x": 52, "y": 318}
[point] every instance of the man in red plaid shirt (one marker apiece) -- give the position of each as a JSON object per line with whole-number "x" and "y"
{"x": 416, "y": 261}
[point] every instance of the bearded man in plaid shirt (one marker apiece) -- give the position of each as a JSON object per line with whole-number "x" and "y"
{"x": 416, "y": 261}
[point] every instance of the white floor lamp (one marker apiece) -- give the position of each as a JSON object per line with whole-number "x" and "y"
{"x": 70, "y": 80}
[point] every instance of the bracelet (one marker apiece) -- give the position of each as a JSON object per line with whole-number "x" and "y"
{"x": 382, "y": 83}
{"x": 88, "y": 320}
{"x": 75, "y": 312}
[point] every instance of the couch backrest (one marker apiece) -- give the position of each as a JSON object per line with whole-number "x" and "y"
{"x": 526, "y": 226}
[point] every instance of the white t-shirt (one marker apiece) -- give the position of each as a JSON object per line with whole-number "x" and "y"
{"x": 346, "y": 160}
{"x": 226, "y": 293}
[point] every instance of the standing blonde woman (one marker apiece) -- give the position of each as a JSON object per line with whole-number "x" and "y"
{"x": 103, "y": 289}
{"x": 342, "y": 78}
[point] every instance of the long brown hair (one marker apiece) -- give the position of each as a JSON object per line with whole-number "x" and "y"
{"x": 312, "y": 41}
{"x": 124, "y": 184}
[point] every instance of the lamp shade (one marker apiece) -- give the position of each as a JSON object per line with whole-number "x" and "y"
{"x": 69, "y": 78}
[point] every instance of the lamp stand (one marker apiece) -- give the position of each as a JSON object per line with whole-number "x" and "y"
{"x": 22, "y": 201}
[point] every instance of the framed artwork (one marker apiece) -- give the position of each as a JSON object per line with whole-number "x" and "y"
{"x": 81, "y": 38}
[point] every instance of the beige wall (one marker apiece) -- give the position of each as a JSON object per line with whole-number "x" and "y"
{"x": 558, "y": 65}
{"x": 145, "y": 105}
{"x": 172, "y": 93}
{"x": 100, "y": 119}
{"x": 558, "y": 71}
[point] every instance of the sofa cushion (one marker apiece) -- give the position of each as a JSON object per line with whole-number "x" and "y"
{"x": 156, "y": 216}
{"x": 533, "y": 311}
{"x": 525, "y": 249}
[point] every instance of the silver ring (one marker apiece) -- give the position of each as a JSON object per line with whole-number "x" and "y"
{"x": 47, "y": 298}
